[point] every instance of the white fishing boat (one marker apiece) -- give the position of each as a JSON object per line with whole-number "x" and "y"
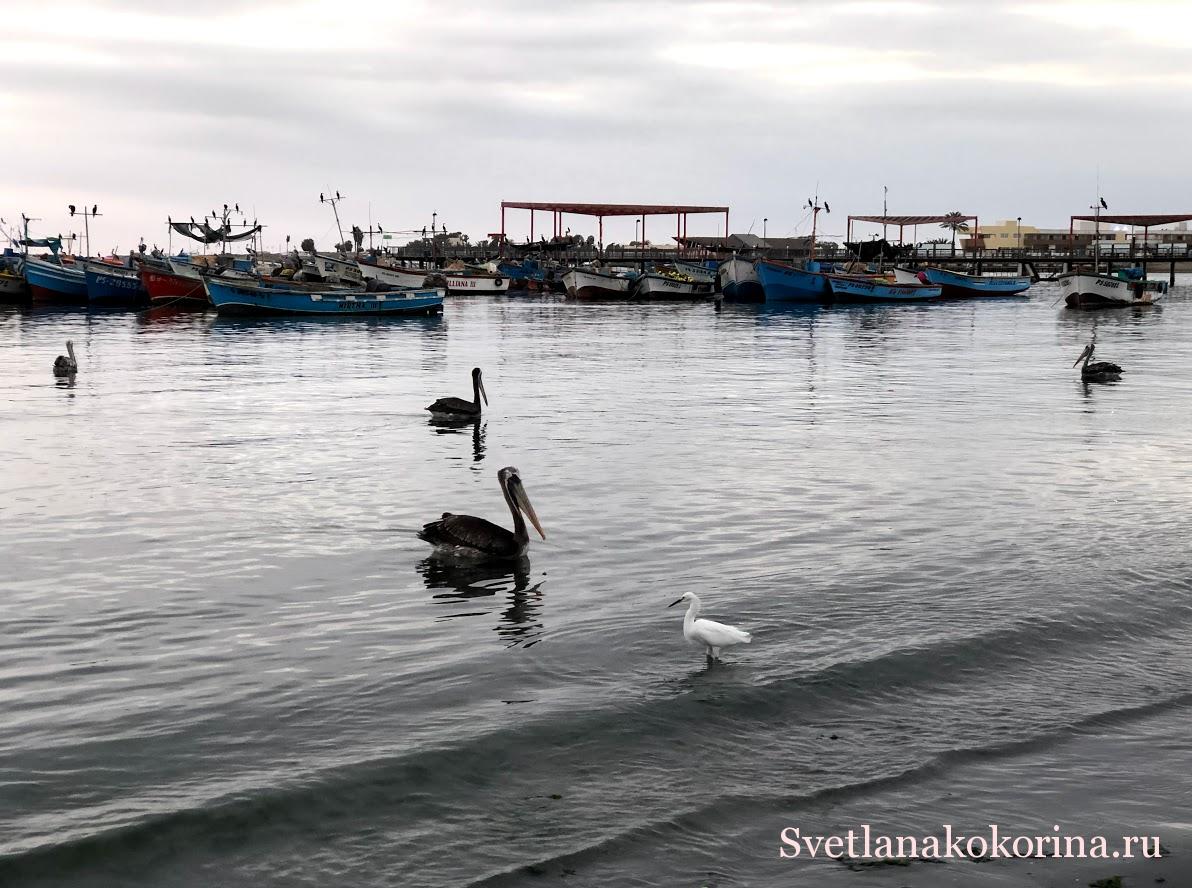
{"x": 695, "y": 271}
{"x": 457, "y": 281}
{"x": 331, "y": 269}
{"x": 591, "y": 284}
{"x": 1085, "y": 289}
{"x": 661, "y": 286}
{"x": 739, "y": 283}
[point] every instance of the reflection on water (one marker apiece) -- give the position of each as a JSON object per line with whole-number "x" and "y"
{"x": 445, "y": 425}
{"x": 519, "y": 623}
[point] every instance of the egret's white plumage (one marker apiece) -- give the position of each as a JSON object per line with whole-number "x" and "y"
{"x": 708, "y": 633}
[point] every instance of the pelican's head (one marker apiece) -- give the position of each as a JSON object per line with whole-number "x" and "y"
{"x": 1087, "y": 353}
{"x": 478, "y": 382}
{"x": 511, "y": 483}
{"x": 686, "y": 596}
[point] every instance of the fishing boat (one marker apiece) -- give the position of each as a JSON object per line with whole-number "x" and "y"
{"x": 458, "y": 280}
{"x": 655, "y": 285}
{"x": 584, "y": 283}
{"x": 698, "y": 273}
{"x": 331, "y": 269}
{"x": 781, "y": 282}
{"x": 739, "y": 282}
{"x": 113, "y": 286}
{"x": 55, "y": 283}
{"x": 243, "y": 298}
{"x": 166, "y": 287}
{"x": 854, "y": 289}
{"x": 959, "y": 286}
{"x": 1122, "y": 289}
{"x": 12, "y": 280}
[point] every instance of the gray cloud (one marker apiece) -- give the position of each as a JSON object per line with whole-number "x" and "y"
{"x": 416, "y": 108}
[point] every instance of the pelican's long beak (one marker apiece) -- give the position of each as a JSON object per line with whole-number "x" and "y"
{"x": 1081, "y": 358}
{"x": 523, "y": 503}
{"x": 483, "y": 393}
{"x": 673, "y": 603}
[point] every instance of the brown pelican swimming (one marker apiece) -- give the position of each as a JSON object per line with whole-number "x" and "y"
{"x": 64, "y": 366}
{"x": 463, "y": 536}
{"x": 458, "y": 407}
{"x": 1102, "y": 371}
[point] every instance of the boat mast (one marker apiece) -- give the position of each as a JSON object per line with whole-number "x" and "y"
{"x": 1097, "y": 235}
{"x": 333, "y": 201}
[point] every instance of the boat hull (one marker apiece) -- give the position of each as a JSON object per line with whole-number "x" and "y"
{"x": 13, "y": 288}
{"x": 739, "y": 283}
{"x": 587, "y": 285}
{"x": 855, "y": 290}
{"x": 416, "y": 277}
{"x": 1085, "y": 290}
{"x": 656, "y": 286}
{"x": 114, "y": 289}
{"x": 178, "y": 291}
{"x": 238, "y": 299}
{"x": 53, "y": 284}
{"x": 785, "y": 283}
{"x": 965, "y": 286}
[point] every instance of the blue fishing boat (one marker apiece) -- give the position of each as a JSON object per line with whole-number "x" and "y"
{"x": 52, "y": 283}
{"x": 957, "y": 285}
{"x": 785, "y": 283}
{"x": 114, "y": 286}
{"x": 237, "y": 297}
{"x": 847, "y": 289}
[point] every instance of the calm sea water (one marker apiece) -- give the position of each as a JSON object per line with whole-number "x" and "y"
{"x": 225, "y": 658}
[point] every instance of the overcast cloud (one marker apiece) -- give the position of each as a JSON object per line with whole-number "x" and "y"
{"x": 998, "y": 109}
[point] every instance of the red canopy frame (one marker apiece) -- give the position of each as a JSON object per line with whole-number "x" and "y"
{"x": 679, "y": 211}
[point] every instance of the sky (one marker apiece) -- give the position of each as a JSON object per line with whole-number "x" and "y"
{"x": 156, "y": 108}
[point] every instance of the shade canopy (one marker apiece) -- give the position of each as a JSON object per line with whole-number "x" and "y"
{"x": 911, "y": 220}
{"x": 588, "y": 209}
{"x": 1143, "y": 220}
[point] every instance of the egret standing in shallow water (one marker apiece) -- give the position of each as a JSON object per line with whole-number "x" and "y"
{"x": 66, "y": 366}
{"x": 708, "y": 633}
{"x": 464, "y": 536}
{"x": 458, "y": 408}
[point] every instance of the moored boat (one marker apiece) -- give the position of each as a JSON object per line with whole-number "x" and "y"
{"x": 1086, "y": 289}
{"x": 12, "y": 280}
{"x": 457, "y": 281}
{"x": 698, "y": 273}
{"x": 850, "y": 289}
{"x": 956, "y": 285}
{"x": 662, "y": 286}
{"x": 786, "y": 283}
{"x": 584, "y": 283}
{"x": 113, "y": 286}
{"x": 165, "y": 287}
{"x": 739, "y": 282}
{"x": 53, "y": 283}
{"x": 235, "y": 297}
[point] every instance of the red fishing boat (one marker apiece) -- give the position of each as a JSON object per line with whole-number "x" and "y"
{"x": 175, "y": 290}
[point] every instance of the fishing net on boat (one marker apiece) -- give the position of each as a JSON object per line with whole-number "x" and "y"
{"x": 205, "y": 234}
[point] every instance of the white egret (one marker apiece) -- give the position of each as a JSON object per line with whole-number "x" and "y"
{"x": 708, "y": 633}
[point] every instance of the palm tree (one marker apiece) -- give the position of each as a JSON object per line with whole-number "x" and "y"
{"x": 956, "y": 221}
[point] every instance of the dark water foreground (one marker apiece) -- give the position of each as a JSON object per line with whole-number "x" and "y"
{"x": 225, "y": 658}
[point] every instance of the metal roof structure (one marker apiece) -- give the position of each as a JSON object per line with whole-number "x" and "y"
{"x": 558, "y": 209}
{"x": 903, "y": 221}
{"x": 1141, "y": 220}
{"x": 592, "y": 209}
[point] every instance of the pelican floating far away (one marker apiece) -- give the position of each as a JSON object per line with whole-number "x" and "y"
{"x": 708, "y": 633}
{"x": 463, "y": 536}
{"x": 66, "y": 366}
{"x": 458, "y": 407}
{"x": 1102, "y": 371}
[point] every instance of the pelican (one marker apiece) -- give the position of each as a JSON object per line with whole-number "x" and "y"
{"x": 463, "y": 536}
{"x": 458, "y": 408}
{"x": 708, "y": 633}
{"x": 64, "y": 366}
{"x": 1102, "y": 371}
